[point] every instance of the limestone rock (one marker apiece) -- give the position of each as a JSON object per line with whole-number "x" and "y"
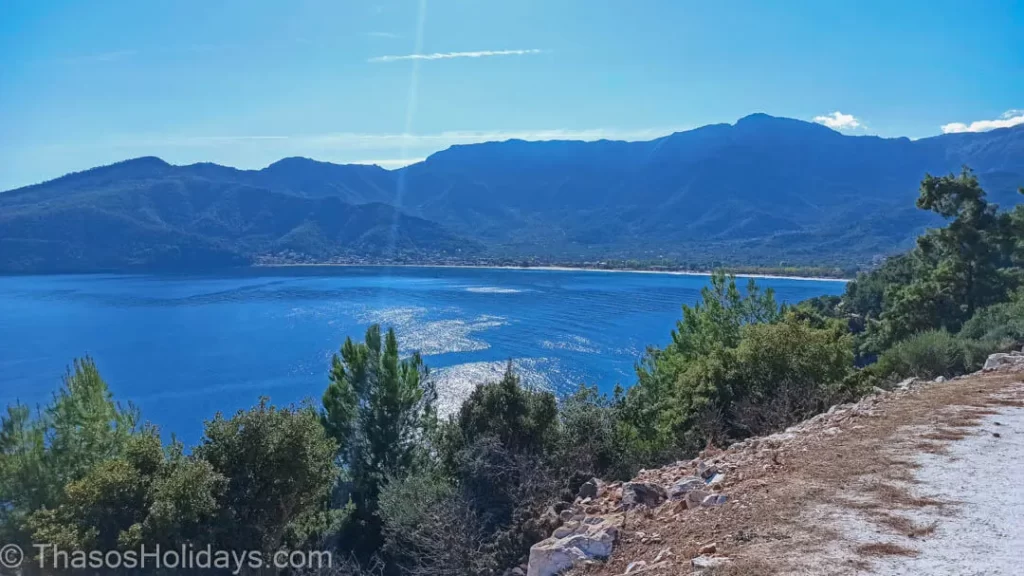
{"x": 714, "y": 500}
{"x": 694, "y": 498}
{"x": 1004, "y": 360}
{"x": 592, "y": 488}
{"x": 646, "y": 493}
{"x": 906, "y": 384}
{"x": 684, "y": 486}
{"x": 557, "y": 554}
{"x": 710, "y": 562}
{"x": 705, "y": 470}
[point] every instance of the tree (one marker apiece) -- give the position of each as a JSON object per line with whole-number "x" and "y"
{"x": 953, "y": 272}
{"x": 588, "y": 435}
{"x": 716, "y": 320}
{"x": 184, "y": 504}
{"x": 965, "y": 256}
{"x": 683, "y": 384}
{"x": 784, "y": 372}
{"x": 99, "y": 510}
{"x": 521, "y": 419}
{"x": 379, "y": 410}
{"x": 278, "y": 467}
{"x": 40, "y": 455}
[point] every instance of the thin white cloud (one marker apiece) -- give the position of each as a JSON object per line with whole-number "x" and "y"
{"x": 1008, "y": 119}
{"x": 450, "y": 55}
{"x": 391, "y": 35}
{"x": 839, "y": 121}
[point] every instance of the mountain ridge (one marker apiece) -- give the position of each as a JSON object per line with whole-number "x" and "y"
{"x": 764, "y": 190}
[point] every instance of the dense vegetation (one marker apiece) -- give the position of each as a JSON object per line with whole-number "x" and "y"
{"x": 376, "y": 476}
{"x": 764, "y": 192}
{"x": 170, "y": 221}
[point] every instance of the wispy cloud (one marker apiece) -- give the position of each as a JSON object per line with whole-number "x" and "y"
{"x": 450, "y": 55}
{"x": 839, "y": 121}
{"x": 390, "y": 35}
{"x": 1008, "y": 119}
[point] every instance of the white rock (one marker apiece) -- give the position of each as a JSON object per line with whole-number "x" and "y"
{"x": 705, "y": 470}
{"x": 562, "y": 532}
{"x": 646, "y": 493}
{"x": 906, "y": 384}
{"x": 554, "y": 555}
{"x": 635, "y": 565}
{"x": 1003, "y": 360}
{"x": 684, "y": 486}
{"x": 714, "y": 500}
{"x": 709, "y": 562}
{"x": 695, "y": 497}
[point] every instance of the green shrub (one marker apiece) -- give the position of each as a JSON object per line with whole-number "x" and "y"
{"x": 784, "y": 372}
{"x": 933, "y": 353}
{"x": 1001, "y": 323}
{"x": 430, "y": 528}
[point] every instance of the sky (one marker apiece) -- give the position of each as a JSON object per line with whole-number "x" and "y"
{"x": 245, "y": 83}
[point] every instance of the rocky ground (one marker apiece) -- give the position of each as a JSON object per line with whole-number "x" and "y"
{"x": 923, "y": 479}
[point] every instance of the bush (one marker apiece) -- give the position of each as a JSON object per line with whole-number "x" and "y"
{"x": 587, "y": 440}
{"x": 1002, "y": 324}
{"x": 932, "y": 354}
{"x": 785, "y": 372}
{"x": 430, "y": 529}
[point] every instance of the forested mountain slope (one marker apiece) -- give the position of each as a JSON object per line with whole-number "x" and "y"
{"x": 765, "y": 190}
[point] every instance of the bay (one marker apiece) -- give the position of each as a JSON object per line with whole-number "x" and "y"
{"x": 183, "y": 347}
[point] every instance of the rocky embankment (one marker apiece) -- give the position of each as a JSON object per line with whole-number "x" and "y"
{"x": 590, "y": 528}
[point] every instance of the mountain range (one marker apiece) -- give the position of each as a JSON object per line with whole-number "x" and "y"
{"x": 763, "y": 191}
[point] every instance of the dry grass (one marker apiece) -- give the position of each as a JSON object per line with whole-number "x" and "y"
{"x": 1006, "y": 402}
{"x": 891, "y": 495}
{"x": 931, "y": 448}
{"x": 885, "y": 549}
{"x": 965, "y": 420}
{"x": 905, "y": 526}
{"x": 945, "y": 435}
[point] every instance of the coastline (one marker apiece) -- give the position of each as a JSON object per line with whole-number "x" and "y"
{"x": 554, "y": 269}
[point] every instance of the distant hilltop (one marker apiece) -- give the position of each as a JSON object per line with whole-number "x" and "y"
{"x": 764, "y": 191}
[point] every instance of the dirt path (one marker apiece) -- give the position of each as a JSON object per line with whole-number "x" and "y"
{"x": 929, "y": 482}
{"x": 981, "y": 529}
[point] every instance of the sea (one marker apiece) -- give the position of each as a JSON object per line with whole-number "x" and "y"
{"x": 183, "y": 347}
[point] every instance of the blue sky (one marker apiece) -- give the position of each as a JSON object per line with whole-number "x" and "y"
{"x": 244, "y": 83}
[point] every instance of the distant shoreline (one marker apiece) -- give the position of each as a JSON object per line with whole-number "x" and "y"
{"x": 556, "y": 269}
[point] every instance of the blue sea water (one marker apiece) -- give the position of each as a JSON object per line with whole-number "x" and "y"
{"x": 185, "y": 347}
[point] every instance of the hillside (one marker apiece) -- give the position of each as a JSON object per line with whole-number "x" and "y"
{"x": 764, "y": 191}
{"x": 145, "y": 214}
